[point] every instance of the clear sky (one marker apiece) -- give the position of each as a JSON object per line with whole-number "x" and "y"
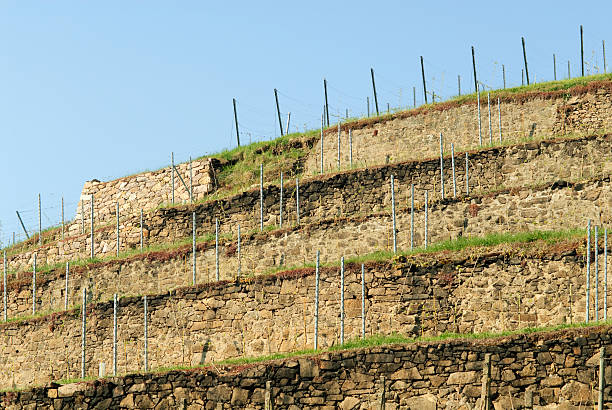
{"x": 109, "y": 88}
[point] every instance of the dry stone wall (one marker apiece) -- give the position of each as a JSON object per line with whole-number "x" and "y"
{"x": 354, "y": 193}
{"x": 415, "y": 134}
{"x": 147, "y": 190}
{"x": 536, "y": 371}
{"x": 505, "y": 289}
{"x": 547, "y": 208}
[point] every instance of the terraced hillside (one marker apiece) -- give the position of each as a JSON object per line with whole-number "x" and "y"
{"x": 509, "y": 253}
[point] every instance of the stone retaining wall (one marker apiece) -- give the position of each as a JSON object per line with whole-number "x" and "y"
{"x": 481, "y": 290}
{"x": 536, "y": 371}
{"x": 352, "y": 193}
{"x": 547, "y": 208}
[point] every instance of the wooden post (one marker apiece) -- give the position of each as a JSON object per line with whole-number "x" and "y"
{"x": 236, "y": 122}
{"x": 554, "y": 67}
{"x": 423, "y": 75}
{"x": 269, "y": 400}
{"x": 485, "y": 394}
{"x": 474, "y": 66}
{"x": 525, "y": 59}
{"x": 459, "y": 83}
{"x": 374, "y": 88}
{"x": 280, "y": 123}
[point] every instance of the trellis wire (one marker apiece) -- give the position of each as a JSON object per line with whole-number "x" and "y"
{"x": 588, "y": 270}
{"x": 115, "y": 334}
{"x": 393, "y": 212}
{"x": 342, "y": 301}
{"x": 316, "y": 324}
{"x": 441, "y": 166}
{"x": 453, "y": 167}
{"x": 66, "y": 285}
{"x": 363, "y": 323}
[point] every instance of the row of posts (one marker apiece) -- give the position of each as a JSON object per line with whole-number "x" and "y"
{"x": 595, "y": 242}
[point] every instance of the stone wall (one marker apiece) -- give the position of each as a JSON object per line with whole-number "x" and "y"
{"x": 414, "y": 134}
{"x": 558, "y": 368}
{"x": 351, "y": 193}
{"x": 147, "y": 190}
{"x": 546, "y": 208}
{"x": 478, "y": 290}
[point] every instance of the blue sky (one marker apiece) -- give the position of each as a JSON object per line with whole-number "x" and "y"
{"x": 100, "y": 90}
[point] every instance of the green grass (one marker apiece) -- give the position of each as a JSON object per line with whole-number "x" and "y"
{"x": 368, "y": 342}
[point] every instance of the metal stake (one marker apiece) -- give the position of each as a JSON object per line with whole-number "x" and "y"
{"x": 568, "y": 70}
{"x": 490, "y": 127}
{"x": 499, "y": 119}
{"x": 172, "y": 160}
{"x": 603, "y": 47}
{"x": 239, "y": 258}
{"x": 342, "y": 301}
{"x": 479, "y": 119}
{"x": 115, "y": 334}
{"x": 92, "y": 226}
{"x": 326, "y": 101}
{"x": 4, "y": 296}
{"x": 453, "y": 167}
{"x": 217, "y": 249}
{"x": 596, "y": 246}
{"x": 423, "y": 75}
{"x": 316, "y": 325}
{"x": 605, "y": 273}
{"x": 459, "y": 83}
{"x": 297, "y": 200}
{"x": 190, "y": 181}
{"x": 34, "y": 286}
{"x": 411, "y": 216}
{"x": 66, "y": 290}
{"x": 581, "y": 50}
{"x": 280, "y": 225}
{"x": 393, "y": 212}
{"x": 339, "y": 131}
{"x": 141, "y": 231}
{"x": 414, "y": 97}
{"x": 63, "y": 218}
{"x": 351, "y": 148}
{"x": 374, "y": 88}
{"x": 441, "y": 166}
{"x": 602, "y": 377}
{"x": 467, "y": 175}
{"x": 588, "y": 271}
{"x": 280, "y": 122}
{"x": 554, "y": 67}
{"x": 368, "y": 104}
{"x": 504, "y": 75}
{"x": 39, "y": 222}
{"x": 22, "y": 225}
{"x": 193, "y": 250}
{"x": 426, "y": 216}
{"x": 146, "y": 335}
{"x": 236, "y": 122}
{"x": 363, "y": 320}
{"x": 261, "y": 199}
{"x": 288, "y": 121}
{"x": 117, "y": 228}
{"x": 322, "y": 118}
{"x": 525, "y": 59}
{"x": 83, "y": 330}
{"x": 474, "y": 66}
